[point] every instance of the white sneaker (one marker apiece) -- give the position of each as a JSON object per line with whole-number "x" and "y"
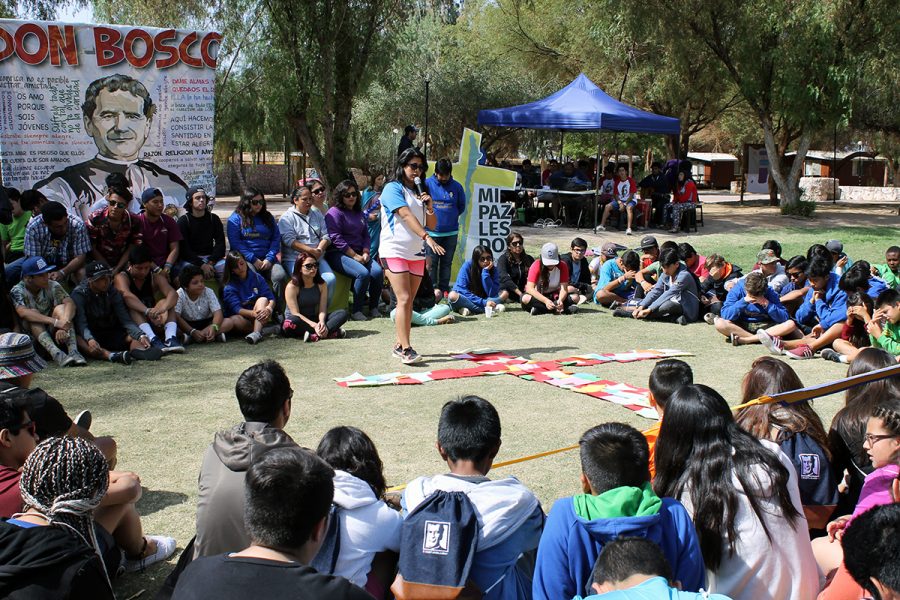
{"x": 709, "y": 318}
{"x": 628, "y": 231}
{"x": 465, "y": 312}
{"x": 599, "y": 228}
{"x": 499, "y": 308}
{"x": 165, "y": 547}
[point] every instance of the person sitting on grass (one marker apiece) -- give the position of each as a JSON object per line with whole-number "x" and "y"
{"x": 872, "y": 551}
{"x": 47, "y": 312}
{"x": 795, "y": 290}
{"x": 113, "y": 230}
{"x": 306, "y": 297}
{"x": 202, "y": 236}
{"x": 673, "y": 298}
{"x": 247, "y": 299}
{"x": 608, "y": 251}
{"x": 61, "y": 240}
{"x": 667, "y": 377}
{"x": 854, "y": 335}
{"x": 769, "y": 264}
{"x": 579, "y": 271}
{"x": 859, "y": 278}
{"x": 649, "y": 274}
{"x": 798, "y": 431}
{"x": 509, "y": 515}
{"x": 694, "y": 261}
{"x": 369, "y": 528}
{"x": 840, "y": 261}
{"x": 714, "y": 290}
{"x": 890, "y": 270}
{"x": 264, "y": 396}
{"x": 513, "y": 265}
{"x": 743, "y": 496}
{"x": 253, "y": 233}
{"x": 819, "y": 320}
{"x": 140, "y": 285}
{"x": 426, "y": 311}
{"x": 616, "y": 284}
{"x": 104, "y": 327}
{"x": 546, "y": 290}
{"x": 159, "y": 231}
{"x": 617, "y": 500}
{"x": 751, "y": 305}
{"x": 884, "y": 327}
{"x": 288, "y": 494}
{"x": 198, "y": 312}
{"x": 477, "y": 286}
{"x": 633, "y": 568}
{"x": 18, "y": 438}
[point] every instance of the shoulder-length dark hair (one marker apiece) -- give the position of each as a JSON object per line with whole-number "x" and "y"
{"x": 345, "y": 186}
{"x": 768, "y": 376}
{"x": 297, "y": 273}
{"x": 699, "y": 450}
{"x": 231, "y": 262}
{"x": 405, "y": 158}
{"x": 475, "y": 270}
{"x": 350, "y": 449}
{"x": 245, "y": 209}
{"x": 859, "y": 337}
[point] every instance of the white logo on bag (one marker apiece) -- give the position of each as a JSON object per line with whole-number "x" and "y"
{"x": 809, "y": 466}
{"x": 437, "y": 538}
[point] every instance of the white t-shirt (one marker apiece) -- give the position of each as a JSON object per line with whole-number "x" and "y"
{"x": 203, "y": 308}
{"x": 397, "y": 241}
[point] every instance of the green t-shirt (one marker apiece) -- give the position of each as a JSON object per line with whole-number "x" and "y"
{"x": 14, "y": 233}
{"x": 890, "y": 278}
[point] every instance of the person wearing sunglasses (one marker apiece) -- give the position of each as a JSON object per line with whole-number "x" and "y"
{"x": 513, "y": 266}
{"x": 303, "y": 229}
{"x": 406, "y": 211}
{"x": 252, "y": 231}
{"x": 113, "y": 230}
{"x": 350, "y": 249}
{"x": 477, "y": 287}
{"x": 793, "y": 292}
{"x": 306, "y": 297}
{"x": 17, "y": 440}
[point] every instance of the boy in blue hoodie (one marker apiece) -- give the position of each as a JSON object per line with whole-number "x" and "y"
{"x": 636, "y": 569}
{"x": 509, "y": 515}
{"x": 617, "y": 501}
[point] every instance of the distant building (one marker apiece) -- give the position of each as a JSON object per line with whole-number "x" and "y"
{"x": 853, "y": 168}
{"x": 715, "y": 169}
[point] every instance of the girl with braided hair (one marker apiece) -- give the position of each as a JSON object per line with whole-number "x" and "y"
{"x": 50, "y": 551}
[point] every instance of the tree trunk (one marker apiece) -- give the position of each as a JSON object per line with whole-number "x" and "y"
{"x": 788, "y": 183}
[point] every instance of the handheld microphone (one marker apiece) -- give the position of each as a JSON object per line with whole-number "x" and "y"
{"x": 418, "y": 183}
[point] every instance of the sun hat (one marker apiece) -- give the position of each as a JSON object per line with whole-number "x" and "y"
{"x": 550, "y": 254}
{"x": 611, "y": 249}
{"x": 17, "y": 356}
{"x": 36, "y": 265}
{"x": 766, "y": 257}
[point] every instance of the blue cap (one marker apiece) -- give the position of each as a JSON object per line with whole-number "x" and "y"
{"x": 149, "y": 194}
{"x": 36, "y": 265}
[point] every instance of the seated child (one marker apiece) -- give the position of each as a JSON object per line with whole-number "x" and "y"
{"x": 477, "y": 285}
{"x": 667, "y": 376}
{"x": 751, "y": 305}
{"x": 617, "y": 500}
{"x": 841, "y": 262}
{"x": 722, "y": 277}
{"x": 547, "y": 287}
{"x": 632, "y": 568}
{"x": 859, "y": 278}
{"x": 854, "y": 335}
{"x": 198, "y": 312}
{"x": 248, "y": 299}
{"x": 617, "y": 279}
{"x": 579, "y": 270}
{"x": 890, "y": 270}
{"x": 884, "y": 328}
{"x": 426, "y": 311}
{"x": 674, "y": 298}
{"x": 509, "y": 515}
{"x": 793, "y": 292}
{"x": 306, "y": 297}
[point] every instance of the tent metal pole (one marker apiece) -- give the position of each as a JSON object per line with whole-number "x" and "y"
{"x": 597, "y": 182}
{"x": 562, "y": 137}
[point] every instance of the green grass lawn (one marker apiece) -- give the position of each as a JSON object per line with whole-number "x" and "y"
{"x": 164, "y": 414}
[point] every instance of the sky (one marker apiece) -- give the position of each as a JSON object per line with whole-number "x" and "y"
{"x": 71, "y": 14}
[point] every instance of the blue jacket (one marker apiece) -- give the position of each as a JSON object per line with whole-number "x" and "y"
{"x": 449, "y": 203}
{"x": 876, "y": 286}
{"x": 828, "y": 312}
{"x": 258, "y": 242}
{"x": 490, "y": 281}
{"x": 736, "y": 308}
{"x": 570, "y": 545}
{"x": 656, "y": 588}
{"x": 681, "y": 287}
{"x": 239, "y": 294}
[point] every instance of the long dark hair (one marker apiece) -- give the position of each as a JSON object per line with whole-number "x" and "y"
{"x": 343, "y": 187}
{"x": 861, "y": 400}
{"x": 297, "y": 274}
{"x": 859, "y": 337}
{"x": 245, "y": 209}
{"x": 475, "y": 270}
{"x": 231, "y": 262}
{"x": 405, "y": 158}
{"x": 510, "y": 238}
{"x": 768, "y": 376}
{"x": 699, "y": 450}
{"x": 350, "y": 449}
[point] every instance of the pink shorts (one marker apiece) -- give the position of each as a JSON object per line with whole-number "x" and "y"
{"x": 401, "y": 265}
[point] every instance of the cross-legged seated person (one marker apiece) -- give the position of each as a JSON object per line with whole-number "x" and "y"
{"x": 140, "y": 284}
{"x": 306, "y": 297}
{"x": 426, "y": 311}
{"x": 751, "y": 305}
{"x": 105, "y": 329}
{"x": 580, "y": 287}
{"x": 795, "y": 290}
{"x": 248, "y": 299}
{"x": 819, "y": 320}
{"x": 616, "y": 282}
{"x": 714, "y": 290}
{"x": 546, "y": 290}
{"x": 674, "y": 297}
{"x": 477, "y": 286}
{"x": 47, "y": 311}
{"x": 198, "y": 311}
{"x": 59, "y": 239}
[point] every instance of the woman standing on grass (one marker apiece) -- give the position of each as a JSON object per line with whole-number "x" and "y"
{"x": 306, "y": 297}
{"x": 406, "y": 210}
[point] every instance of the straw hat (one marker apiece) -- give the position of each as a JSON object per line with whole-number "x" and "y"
{"x": 17, "y": 356}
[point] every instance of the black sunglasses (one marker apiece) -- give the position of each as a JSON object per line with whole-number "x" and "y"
{"x": 310, "y": 266}
{"x": 416, "y": 166}
{"x": 318, "y": 191}
{"x": 516, "y": 244}
{"x": 257, "y": 202}
{"x": 118, "y": 205}
{"x": 795, "y": 275}
{"x": 350, "y": 194}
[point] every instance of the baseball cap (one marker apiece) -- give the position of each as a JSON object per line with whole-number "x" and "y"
{"x": 190, "y": 195}
{"x": 409, "y": 128}
{"x": 550, "y": 254}
{"x": 17, "y": 356}
{"x": 767, "y": 256}
{"x": 149, "y": 194}
{"x": 97, "y": 269}
{"x": 36, "y": 265}
{"x": 611, "y": 249}
{"x": 648, "y": 241}
{"x": 834, "y": 246}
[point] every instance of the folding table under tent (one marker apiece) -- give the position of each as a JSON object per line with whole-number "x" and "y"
{"x": 581, "y": 106}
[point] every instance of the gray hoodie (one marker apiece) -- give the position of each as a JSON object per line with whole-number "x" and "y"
{"x": 220, "y": 504}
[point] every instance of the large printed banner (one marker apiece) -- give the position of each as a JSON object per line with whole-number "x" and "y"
{"x": 78, "y": 102}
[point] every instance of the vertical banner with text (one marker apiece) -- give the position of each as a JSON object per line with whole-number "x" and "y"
{"x": 78, "y": 102}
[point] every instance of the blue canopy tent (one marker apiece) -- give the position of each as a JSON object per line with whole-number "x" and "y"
{"x": 580, "y": 106}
